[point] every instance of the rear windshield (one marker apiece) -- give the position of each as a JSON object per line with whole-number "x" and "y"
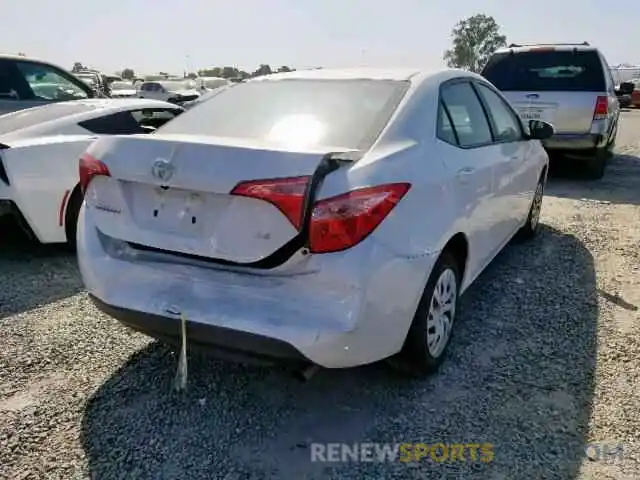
{"x": 546, "y": 71}
{"x": 297, "y": 112}
{"x": 33, "y": 116}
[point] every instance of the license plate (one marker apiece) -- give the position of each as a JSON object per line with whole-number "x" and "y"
{"x": 176, "y": 212}
{"x": 531, "y": 114}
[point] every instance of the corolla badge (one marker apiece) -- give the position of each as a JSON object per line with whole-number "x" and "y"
{"x": 162, "y": 169}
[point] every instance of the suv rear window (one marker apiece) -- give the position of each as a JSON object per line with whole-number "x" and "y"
{"x": 545, "y": 71}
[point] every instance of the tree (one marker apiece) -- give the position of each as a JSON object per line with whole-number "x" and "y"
{"x": 284, "y": 69}
{"x": 128, "y": 74}
{"x": 78, "y": 67}
{"x": 474, "y": 40}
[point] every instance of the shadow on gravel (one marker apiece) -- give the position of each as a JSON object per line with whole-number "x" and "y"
{"x": 32, "y": 274}
{"x": 620, "y": 184}
{"x": 519, "y": 374}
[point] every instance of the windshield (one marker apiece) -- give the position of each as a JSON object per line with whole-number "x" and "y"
{"x": 296, "y": 113}
{"x": 121, "y": 86}
{"x": 551, "y": 70}
{"x": 32, "y": 116}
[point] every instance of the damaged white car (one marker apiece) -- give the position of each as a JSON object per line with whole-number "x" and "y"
{"x": 326, "y": 217}
{"x": 39, "y": 152}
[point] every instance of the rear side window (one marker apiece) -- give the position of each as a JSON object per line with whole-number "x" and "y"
{"x": 544, "y": 71}
{"x": 467, "y": 115}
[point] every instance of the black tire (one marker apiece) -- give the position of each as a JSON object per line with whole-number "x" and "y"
{"x": 530, "y": 229}
{"x": 71, "y": 219}
{"x": 416, "y": 358}
{"x": 595, "y": 165}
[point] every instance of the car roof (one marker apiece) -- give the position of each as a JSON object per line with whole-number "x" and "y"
{"x": 562, "y": 47}
{"x": 358, "y": 73}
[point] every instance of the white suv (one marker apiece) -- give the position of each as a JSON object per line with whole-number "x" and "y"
{"x": 567, "y": 85}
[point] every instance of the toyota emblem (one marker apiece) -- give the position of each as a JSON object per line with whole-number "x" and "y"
{"x": 162, "y": 169}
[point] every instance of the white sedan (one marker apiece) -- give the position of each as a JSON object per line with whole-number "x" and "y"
{"x": 326, "y": 217}
{"x": 39, "y": 152}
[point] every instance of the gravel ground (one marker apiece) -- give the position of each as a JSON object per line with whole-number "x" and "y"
{"x": 545, "y": 360}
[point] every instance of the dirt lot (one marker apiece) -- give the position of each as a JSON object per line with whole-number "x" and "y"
{"x": 546, "y": 359}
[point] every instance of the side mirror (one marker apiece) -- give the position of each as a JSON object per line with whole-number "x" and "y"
{"x": 627, "y": 88}
{"x": 539, "y": 130}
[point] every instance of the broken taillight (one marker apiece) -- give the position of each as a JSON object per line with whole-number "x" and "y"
{"x": 287, "y": 194}
{"x": 337, "y": 223}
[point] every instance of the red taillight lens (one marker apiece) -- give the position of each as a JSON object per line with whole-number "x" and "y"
{"x": 89, "y": 168}
{"x": 602, "y": 108}
{"x": 343, "y": 221}
{"x": 287, "y": 194}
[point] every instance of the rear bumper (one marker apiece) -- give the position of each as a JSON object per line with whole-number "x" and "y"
{"x": 225, "y": 342}
{"x": 340, "y": 310}
{"x": 587, "y": 141}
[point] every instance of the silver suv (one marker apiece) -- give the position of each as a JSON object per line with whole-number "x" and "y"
{"x": 567, "y": 85}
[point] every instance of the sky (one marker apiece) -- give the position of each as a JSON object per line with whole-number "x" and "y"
{"x": 174, "y": 35}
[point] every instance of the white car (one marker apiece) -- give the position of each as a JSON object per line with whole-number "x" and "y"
{"x": 39, "y": 152}
{"x": 174, "y": 91}
{"x": 123, "y": 89}
{"x": 327, "y": 217}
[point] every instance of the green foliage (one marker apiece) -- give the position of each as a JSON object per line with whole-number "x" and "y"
{"x": 128, "y": 74}
{"x": 474, "y": 40}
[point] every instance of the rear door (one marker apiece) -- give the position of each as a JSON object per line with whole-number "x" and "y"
{"x": 515, "y": 172}
{"x": 472, "y": 162}
{"x": 559, "y": 86}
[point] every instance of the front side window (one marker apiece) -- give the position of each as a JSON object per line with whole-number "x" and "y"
{"x": 505, "y": 123}
{"x": 47, "y": 83}
{"x": 296, "y": 112}
{"x": 466, "y": 113}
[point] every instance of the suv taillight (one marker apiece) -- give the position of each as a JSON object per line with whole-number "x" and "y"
{"x": 89, "y": 168}
{"x": 337, "y": 223}
{"x": 602, "y": 108}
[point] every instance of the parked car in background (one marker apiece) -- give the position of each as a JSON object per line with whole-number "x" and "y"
{"x": 39, "y": 152}
{"x": 206, "y": 95}
{"x": 27, "y": 82}
{"x": 325, "y": 217}
{"x": 96, "y": 80}
{"x": 624, "y": 93}
{"x": 569, "y": 86}
{"x": 123, "y": 89}
{"x": 634, "y": 87}
{"x": 174, "y": 91}
{"x": 210, "y": 83}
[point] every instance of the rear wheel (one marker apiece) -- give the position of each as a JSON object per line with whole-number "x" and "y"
{"x": 71, "y": 218}
{"x": 430, "y": 332}
{"x": 530, "y": 228}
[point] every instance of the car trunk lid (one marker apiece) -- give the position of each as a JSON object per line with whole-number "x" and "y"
{"x": 174, "y": 194}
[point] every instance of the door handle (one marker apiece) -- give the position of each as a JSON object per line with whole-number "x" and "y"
{"x": 465, "y": 171}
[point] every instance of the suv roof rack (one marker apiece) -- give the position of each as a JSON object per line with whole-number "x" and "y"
{"x": 515, "y": 45}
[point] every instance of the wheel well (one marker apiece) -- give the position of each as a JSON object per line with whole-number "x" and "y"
{"x": 458, "y": 246}
{"x": 75, "y": 196}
